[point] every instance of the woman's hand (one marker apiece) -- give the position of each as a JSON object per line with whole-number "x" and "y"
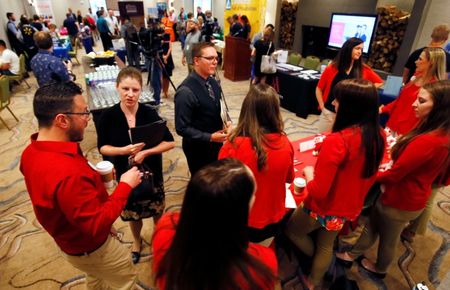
{"x": 380, "y": 109}
{"x": 139, "y": 157}
{"x": 308, "y": 171}
{"x": 132, "y": 149}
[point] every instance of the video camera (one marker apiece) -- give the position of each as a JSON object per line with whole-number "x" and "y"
{"x": 151, "y": 38}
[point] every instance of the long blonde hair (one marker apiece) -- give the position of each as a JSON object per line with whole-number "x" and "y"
{"x": 436, "y": 56}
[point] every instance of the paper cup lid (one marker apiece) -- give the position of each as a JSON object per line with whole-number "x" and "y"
{"x": 104, "y": 166}
{"x": 301, "y": 182}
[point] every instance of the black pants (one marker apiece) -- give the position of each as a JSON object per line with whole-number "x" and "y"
{"x": 200, "y": 153}
{"x": 106, "y": 40}
{"x": 271, "y": 230}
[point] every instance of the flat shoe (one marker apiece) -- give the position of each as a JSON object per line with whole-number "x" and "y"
{"x": 135, "y": 257}
{"x": 373, "y": 273}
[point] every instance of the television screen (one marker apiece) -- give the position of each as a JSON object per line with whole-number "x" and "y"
{"x": 345, "y": 26}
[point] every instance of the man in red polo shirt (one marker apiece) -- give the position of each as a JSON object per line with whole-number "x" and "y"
{"x": 68, "y": 195}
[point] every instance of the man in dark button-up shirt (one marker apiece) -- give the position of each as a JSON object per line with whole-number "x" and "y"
{"x": 45, "y": 65}
{"x": 199, "y": 117}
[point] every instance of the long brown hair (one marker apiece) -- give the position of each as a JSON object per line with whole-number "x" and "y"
{"x": 209, "y": 251}
{"x": 343, "y": 59}
{"x": 358, "y": 106}
{"x": 437, "y": 120}
{"x": 260, "y": 115}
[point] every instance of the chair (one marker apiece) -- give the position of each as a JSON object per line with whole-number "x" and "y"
{"x": 294, "y": 58}
{"x": 5, "y": 97}
{"x": 22, "y": 71}
{"x": 326, "y": 61}
{"x": 73, "y": 53}
{"x": 311, "y": 62}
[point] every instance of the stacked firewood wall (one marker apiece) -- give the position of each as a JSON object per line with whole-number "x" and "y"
{"x": 391, "y": 29}
{"x": 287, "y": 23}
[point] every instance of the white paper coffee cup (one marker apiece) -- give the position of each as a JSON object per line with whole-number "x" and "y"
{"x": 299, "y": 185}
{"x": 105, "y": 169}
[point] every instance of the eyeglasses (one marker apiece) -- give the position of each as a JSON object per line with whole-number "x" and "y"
{"x": 85, "y": 113}
{"x": 210, "y": 58}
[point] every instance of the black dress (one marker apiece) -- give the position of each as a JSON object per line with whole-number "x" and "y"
{"x": 169, "y": 66}
{"x": 113, "y": 130}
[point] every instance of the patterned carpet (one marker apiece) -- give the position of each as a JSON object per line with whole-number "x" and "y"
{"x": 30, "y": 260}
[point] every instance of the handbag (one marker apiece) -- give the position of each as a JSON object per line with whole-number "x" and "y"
{"x": 268, "y": 65}
{"x": 146, "y": 188}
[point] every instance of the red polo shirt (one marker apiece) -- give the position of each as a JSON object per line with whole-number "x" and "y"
{"x": 68, "y": 196}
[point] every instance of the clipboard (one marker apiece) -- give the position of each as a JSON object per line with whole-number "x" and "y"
{"x": 151, "y": 134}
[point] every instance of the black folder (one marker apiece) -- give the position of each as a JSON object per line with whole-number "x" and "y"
{"x": 151, "y": 134}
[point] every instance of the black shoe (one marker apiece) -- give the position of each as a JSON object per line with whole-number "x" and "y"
{"x": 345, "y": 263}
{"x": 135, "y": 257}
{"x": 373, "y": 273}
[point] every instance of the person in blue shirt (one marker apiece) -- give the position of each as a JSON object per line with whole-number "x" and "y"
{"x": 47, "y": 67}
{"x": 447, "y": 47}
{"x": 105, "y": 34}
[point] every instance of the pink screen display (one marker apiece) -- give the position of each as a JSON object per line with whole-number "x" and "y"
{"x": 337, "y": 32}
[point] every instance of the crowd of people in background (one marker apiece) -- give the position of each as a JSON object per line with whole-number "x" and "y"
{"x": 236, "y": 195}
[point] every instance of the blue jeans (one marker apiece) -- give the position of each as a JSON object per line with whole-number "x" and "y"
{"x": 155, "y": 80}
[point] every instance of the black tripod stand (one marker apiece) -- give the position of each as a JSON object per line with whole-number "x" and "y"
{"x": 159, "y": 62}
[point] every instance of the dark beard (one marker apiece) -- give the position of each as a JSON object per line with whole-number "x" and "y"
{"x": 75, "y": 135}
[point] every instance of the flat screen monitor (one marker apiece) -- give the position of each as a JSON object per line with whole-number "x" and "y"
{"x": 345, "y": 26}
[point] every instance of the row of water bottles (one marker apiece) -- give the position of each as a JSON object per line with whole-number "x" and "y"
{"x": 103, "y": 74}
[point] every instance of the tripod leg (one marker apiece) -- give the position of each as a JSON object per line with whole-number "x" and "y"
{"x": 165, "y": 71}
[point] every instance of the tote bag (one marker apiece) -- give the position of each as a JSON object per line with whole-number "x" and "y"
{"x": 268, "y": 65}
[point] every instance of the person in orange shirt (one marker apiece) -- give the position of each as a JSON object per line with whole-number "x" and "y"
{"x": 168, "y": 22}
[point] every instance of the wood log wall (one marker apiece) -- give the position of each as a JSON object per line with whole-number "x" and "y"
{"x": 389, "y": 35}
{"x": 287, "y": 23}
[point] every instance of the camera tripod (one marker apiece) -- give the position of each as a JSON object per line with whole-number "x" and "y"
{"x": 159, "y": 62}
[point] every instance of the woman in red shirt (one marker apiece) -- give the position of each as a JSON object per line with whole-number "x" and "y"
{"x": 347, "y": 65}
{"x": 430, "y": 68}
{"x": 345, "y": 170}
{"x": 260, "y": 143}
{"x": 206, "y": 246}
{"x": 419, "y": 158}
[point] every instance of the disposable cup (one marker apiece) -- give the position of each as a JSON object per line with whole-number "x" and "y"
{"x": 105, "y": 169}
{"x": 299, "y": 185}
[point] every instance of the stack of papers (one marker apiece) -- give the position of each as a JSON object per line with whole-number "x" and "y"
{"x": 289, "y": 67}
